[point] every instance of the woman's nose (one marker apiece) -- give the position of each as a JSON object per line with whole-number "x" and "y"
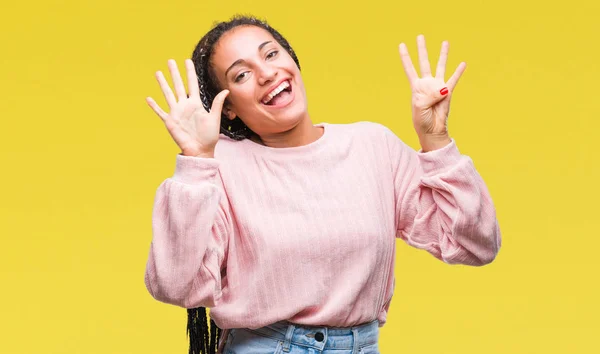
{"x": 266, "y": 75}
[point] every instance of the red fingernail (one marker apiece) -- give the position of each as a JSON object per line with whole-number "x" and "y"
{"x": 444, "y": 91}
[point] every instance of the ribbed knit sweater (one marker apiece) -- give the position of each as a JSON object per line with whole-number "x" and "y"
{"x": 307, "y": 234}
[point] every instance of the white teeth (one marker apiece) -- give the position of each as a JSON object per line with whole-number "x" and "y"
{"x": 276, "y": 91}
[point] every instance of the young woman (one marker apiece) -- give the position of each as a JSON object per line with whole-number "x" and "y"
{"x": 286, "y": 229}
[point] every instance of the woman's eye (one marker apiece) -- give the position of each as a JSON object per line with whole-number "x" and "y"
{"x": 272, "y": 54}
{"x": 240, "y": 76}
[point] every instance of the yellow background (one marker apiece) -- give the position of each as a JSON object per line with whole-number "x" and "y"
{"x": 82, "y": 155}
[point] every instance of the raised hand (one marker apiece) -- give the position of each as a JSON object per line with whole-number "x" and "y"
{"x": 195, "y": 130}
{"x": 430, "y": 95}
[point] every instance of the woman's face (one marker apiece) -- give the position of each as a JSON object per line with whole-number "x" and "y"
{"x": 266, "y": 88}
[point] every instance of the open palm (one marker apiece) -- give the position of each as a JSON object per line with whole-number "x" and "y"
{"x": 194, "y": 129}
{"x": 430, "y": 94}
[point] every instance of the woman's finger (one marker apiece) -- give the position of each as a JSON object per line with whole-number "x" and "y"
{"x": 218, "y": 102}
{"x": 423, "y": 58}
{"x": 409, "y": 68}
{"x": 162, "y": 114}
{"x": 177, "y": 81}
{"x": 457, "y": 74}
{"x": 166, "y": 89}
{"x": 440, "y": 71}
{"x": 192, "y": 79}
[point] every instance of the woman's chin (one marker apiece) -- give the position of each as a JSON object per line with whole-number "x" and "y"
{"x": 291, "y": 114}
{"x": 279, "y": 124}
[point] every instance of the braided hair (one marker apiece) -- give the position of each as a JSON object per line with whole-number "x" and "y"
{"x": 209, "y": 87}
{"x": 203, "y": 341}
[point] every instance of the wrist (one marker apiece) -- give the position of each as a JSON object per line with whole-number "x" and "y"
{"x": 430, "y": 142}
{"x": 199, "y": 150}
{"x": 197, "y": 153}
{"x": 206, "y": 155}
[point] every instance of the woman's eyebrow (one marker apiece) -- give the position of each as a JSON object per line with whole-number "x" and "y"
{"x": 240, "y": 61}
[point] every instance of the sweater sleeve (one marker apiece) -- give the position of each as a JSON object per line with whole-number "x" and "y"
{"x": 191, "y": 223}
{"x": 443, "y": 205}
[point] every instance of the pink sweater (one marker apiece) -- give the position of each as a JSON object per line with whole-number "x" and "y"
{"x": 307, "y": 234}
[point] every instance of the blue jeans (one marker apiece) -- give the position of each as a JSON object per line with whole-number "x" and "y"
{"x": 285, "y": 337}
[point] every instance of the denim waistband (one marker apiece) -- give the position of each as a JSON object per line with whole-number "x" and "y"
{"x": 322, "y": 337}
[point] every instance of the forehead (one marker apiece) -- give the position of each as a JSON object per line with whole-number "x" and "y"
{"x": 239, "y": 43}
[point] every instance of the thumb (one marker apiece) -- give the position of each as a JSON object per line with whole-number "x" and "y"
{"x": 217, "y": 105}
{"x": 429, "y": 99}
{"x": 440, "y": 94}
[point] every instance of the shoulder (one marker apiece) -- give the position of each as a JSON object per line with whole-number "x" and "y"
{"x": 372, "y": 132}
{"x": 365, "y": 129}
{"x": 228, "y": 148}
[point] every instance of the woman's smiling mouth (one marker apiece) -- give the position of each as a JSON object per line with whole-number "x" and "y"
{"x": 279, "y": 96}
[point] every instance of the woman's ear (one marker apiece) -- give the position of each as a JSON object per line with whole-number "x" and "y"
{"x": 229, "y": 113}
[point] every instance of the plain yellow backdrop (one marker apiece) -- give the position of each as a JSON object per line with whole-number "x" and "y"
{"x": 82, "y": 155}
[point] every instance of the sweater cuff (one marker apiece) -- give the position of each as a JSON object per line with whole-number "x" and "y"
{"x": 439, "y": 160}
{"x": 195, "y": 170}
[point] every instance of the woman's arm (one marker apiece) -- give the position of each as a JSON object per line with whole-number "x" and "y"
{"x": 191, "y": 225}
{"x": 443, "y": 205}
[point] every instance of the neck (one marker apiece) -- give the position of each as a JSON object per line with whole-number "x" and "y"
{"x": 302, "y": 134}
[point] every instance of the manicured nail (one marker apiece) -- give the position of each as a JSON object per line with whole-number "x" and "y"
{"x": 444, "y": 91}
